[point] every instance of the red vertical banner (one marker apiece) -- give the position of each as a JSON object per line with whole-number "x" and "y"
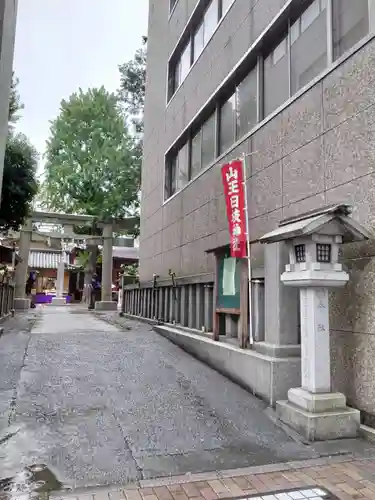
{"x": 233, "y": 179}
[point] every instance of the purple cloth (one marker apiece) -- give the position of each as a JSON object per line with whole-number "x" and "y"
{"x": 41, "y": 298}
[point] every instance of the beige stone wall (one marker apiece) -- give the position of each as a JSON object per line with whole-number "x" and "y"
{"x": 319, "y": 150}
{"x": 353, "y": 330}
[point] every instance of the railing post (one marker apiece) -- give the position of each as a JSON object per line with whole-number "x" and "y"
{"x": 208, "y": 307}
{"x": 1, "y": 300}
{"x": 6, "y": 299}
{"x": 184, "y": 306}
{"x": 172, "y": 295}
{"x": 192, "y": 306}
{"x": 200, "y": 307}
{"x": 12, "y": 298}
{"x": 177, "y": 304}
{"x": 150, "y": 303}
{"x": 166, "y": 305}
{"x": 161, "y": 304}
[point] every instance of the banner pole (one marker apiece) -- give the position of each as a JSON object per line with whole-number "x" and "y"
{"x": 246, "y": 210}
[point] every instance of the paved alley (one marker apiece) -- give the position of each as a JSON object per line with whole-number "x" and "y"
{"x": 100, "y": 405}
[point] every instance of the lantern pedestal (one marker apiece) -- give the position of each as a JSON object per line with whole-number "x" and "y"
{"x": 21, "y": 304}
{"x": 313, "y": 410}
{"x": 319, "y": 417}
{"x": 106, "y": 305}
{"x": 313, "y": 241}
{"x": 58, "y": 301}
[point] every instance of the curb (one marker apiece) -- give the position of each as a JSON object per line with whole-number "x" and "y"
{"x": 206, "y": 476}
{"x": 245, "y": 471}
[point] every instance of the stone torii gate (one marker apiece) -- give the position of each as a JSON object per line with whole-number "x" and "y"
{"x": 68, "y": 221}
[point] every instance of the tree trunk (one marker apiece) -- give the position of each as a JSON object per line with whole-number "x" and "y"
{"x": 90, "y": 270}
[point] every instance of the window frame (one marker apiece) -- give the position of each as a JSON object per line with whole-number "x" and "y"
{"x": 253, "y": 73}
{"x": 283, "y": 38}
{"x": 198, "y": 133}
{"x": 322, "y": 7}
{"x": 204, "y": 126}
{"x": 189, "y": 33}
{"x": 172, "y": 5}
{"x": 171, "y": 164}
{"x": 335, "y": 55}
{"x": 200, "y": 28}
{"x": 204, "y": 23}
{"x": 225, "y": 92}
{"x": 234, "y": 119}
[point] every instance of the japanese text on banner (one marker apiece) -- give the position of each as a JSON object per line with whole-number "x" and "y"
{"x": 232, "y": 176}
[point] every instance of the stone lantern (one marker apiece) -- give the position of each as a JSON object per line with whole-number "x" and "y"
{"x": 313, "y": 241}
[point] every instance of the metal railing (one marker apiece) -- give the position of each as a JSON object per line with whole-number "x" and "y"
{"x": 6, "y": 299}
{"x": 189, "y": 305}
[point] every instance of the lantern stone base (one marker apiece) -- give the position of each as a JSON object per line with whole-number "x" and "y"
{"x": 21, "y": 304}
{"x": 106, "y": 306}
{"x": 58, "y": 301}
{"x": 319, "y": 417}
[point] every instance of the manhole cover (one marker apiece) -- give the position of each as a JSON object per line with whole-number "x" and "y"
{"x": 293, "y": 494}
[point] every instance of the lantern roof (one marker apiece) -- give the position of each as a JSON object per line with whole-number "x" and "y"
{"x": 315, "y": 221}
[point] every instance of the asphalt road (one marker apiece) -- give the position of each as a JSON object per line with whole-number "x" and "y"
{"x": 99, "y": 405}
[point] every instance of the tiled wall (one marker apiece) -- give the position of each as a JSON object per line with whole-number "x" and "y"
{"x": 307, "y": 156}
{"x": 182, "y": 245}
{"x": 320, "y": 150}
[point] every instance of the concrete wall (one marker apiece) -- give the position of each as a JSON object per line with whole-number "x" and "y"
{"x": 8, "y": 16}
{"x": 316, "y": 151}
{"x": 268, "y": 378}
{"x": 319, "y": 150}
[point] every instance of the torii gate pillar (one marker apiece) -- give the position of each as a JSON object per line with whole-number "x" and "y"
{"x": 106, "y": 304}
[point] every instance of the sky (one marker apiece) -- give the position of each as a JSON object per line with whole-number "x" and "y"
{"x": 62, "y": 45}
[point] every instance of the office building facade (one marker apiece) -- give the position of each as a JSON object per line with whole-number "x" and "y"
{"x": 8, "y": 19}
{"x": 287, "y": 85}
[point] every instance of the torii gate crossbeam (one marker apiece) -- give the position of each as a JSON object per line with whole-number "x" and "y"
{"x": 68, "y": 221}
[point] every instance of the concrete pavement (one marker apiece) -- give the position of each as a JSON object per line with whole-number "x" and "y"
{"x": 104, "y": 404}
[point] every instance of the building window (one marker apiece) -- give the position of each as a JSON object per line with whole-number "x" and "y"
{"x": 180, "y": 69}
{"x": 210, "y": 20}
{"x": 185, "y": 63}
{"x": 227, "y": 123}
{"x": 276, "y": 77}
{"x": 182, "y": 172}
{"x": 170, "y": 177}
{"x": 225, "y": 4}
{"x": 310, "y": 15}
{"x": 176, "y": 171}
{"x": 296, "y": 59}
{"x": 172, "y": 3}
{"x": 308, "y": 38}
{"x": 176, "y": 80}
{"x": 246, "y": 99}
{"x": 208, "y": 141}
{"x": 203, "y": 146}
{"x": 198, "y": 42}
{"x": 196, "y": 154}
{"x": 350, "y": 24}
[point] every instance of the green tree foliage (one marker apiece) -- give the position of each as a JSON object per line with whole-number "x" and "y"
{"x": 133, "y": 86}
{"x": 19, "y": 177}
{"x": 19, "y": 182}
{"x": 92, "y": 165}
{"x": 15, "y": 105}
{"x": 92, "y": 162}
{"x": 83, "y": 259}
{"x": 131, "y": 95}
